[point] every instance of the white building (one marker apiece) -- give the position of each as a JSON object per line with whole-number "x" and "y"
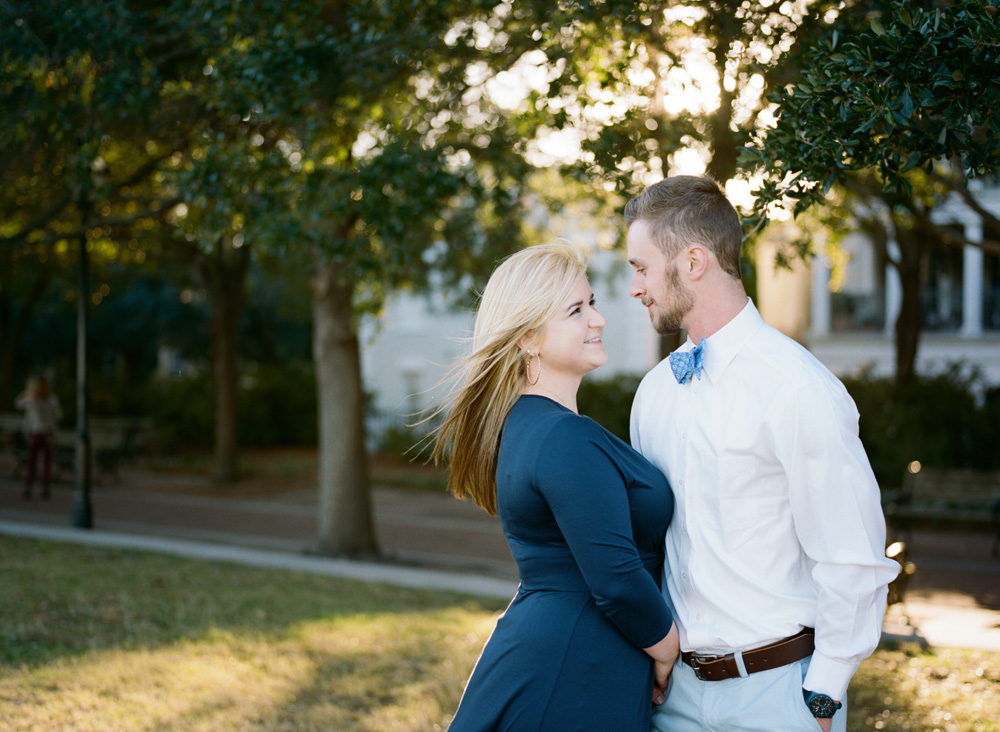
{"x": 409, "y": 349}
{"x": 852, "y": 328}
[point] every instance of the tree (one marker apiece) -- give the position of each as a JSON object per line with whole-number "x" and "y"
{"x": 903, "y": 110}
{"x": 685, "y": 77}
{"x": 356, "y": 139}
{"x": 700, "y": 71}
{"x": 74, "y": 164}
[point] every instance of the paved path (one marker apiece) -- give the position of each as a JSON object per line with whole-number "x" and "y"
{"x": 430, "y": 540}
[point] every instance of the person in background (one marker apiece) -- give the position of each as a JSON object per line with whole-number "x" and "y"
{"x": 583, "y": 513}
{"x": 41, "y": 418}
{"x": 778, "y": 573}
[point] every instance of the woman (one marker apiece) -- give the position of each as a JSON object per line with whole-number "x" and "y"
{"x": 584, "y": 514}
{"x": 41, "y": 418}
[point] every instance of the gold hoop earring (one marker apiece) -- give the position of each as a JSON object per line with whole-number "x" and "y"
{"x": 527, "y": 368}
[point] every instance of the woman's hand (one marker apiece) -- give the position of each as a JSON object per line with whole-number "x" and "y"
{"x": 664, "y": 655}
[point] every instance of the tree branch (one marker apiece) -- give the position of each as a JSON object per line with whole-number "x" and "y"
{"x": 991, "y": 222}
{"x": 54, "y": 236}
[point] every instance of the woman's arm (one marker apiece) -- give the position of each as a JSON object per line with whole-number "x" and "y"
{"x": 587, "y": 495}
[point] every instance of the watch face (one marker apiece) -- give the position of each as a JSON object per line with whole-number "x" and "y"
{"x": 822, "y": 706}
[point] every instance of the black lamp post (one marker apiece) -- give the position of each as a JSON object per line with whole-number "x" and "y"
{"x": 83, "y": 513}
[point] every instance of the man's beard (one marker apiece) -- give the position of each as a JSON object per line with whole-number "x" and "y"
{"x": 678, "y": 304}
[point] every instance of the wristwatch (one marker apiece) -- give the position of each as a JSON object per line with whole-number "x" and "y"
{"x": 821, "y": 706}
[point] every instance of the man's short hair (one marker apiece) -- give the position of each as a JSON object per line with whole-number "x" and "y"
{"x": 685, "y": 209}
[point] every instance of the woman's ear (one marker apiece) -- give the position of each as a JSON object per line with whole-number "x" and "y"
{"x": 528, "y": 342}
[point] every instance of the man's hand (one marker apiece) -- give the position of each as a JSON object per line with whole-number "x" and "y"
{"x": 825, "y": 724}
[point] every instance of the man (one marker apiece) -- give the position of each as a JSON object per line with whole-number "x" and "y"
{"x": 776, "y": 554}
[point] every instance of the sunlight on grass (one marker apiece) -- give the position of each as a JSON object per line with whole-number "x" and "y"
{"x": 96, "y": 640}
{"x": 101, "y": 640}
{"x": 380, "y": 672}
{"x": 905, "y": 688}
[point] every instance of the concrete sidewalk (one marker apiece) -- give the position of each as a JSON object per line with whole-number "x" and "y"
{"x": 431, "y": 540}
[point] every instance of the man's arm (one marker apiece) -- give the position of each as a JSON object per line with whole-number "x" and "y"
{"x": 838, "y": 518}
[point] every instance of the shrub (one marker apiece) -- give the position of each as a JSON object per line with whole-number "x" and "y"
{"x": 947, "y": 420}
{"x": 276, "y": 405}
{"x": 939, "y": 420}
{"x": 609, "y": 402}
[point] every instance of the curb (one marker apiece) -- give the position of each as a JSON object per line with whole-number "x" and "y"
{"x": 328, "y": 566}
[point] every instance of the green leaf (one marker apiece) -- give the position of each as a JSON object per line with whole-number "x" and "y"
{"x": 877, "y": 27}
{"x": 828, "y": 183}
{"x": 907, "y": 104}
{"x": 912, "y": 161}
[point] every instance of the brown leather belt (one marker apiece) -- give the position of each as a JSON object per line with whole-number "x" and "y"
{"x": 780, "y": 653}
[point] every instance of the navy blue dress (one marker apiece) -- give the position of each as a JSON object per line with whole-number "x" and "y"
{"x": 585, "y": 516}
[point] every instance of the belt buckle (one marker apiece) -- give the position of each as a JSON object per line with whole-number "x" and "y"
{"x": 699, "y": 660}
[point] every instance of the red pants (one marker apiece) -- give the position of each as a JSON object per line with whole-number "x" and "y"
{"x": 39, "y": 441}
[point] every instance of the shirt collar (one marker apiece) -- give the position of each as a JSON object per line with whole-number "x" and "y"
{"x": 722, "y": 346}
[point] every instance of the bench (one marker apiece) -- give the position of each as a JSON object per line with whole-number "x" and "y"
{"x": 113, "y": 440}
{"x": 946, "y": 498}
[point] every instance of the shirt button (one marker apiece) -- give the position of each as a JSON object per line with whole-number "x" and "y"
{"x": 684, "y": 575}
{"x": 698, "y": 616}
{"x": 684, "y": 435}
{"x": 684, "y": 528}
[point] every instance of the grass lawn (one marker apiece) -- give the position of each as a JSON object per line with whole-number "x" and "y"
{"x": 95, "y": 640}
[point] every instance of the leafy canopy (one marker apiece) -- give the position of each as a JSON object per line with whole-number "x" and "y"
{"x": 914, "y": 88}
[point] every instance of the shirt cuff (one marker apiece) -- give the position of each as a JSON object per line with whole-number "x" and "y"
{"x": 829, "y": 676}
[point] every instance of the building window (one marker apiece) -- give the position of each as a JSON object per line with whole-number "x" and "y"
{"x": 941, "y": 290}
{"x": 854, "y": 312}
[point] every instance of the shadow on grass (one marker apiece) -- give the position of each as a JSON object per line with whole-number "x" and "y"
{"x": 63, "y": 600}
{"x": 93, "y": 637}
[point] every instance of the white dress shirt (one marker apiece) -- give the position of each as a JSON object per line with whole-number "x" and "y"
{"x": 778, "y": 522}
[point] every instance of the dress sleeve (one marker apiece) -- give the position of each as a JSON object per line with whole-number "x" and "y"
{"x": 587, "y": 495}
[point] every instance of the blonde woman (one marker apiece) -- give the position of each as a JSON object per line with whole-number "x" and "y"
{"x": 584, "y": 514}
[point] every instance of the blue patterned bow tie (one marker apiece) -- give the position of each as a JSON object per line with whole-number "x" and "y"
{"x": 686, "y": 364}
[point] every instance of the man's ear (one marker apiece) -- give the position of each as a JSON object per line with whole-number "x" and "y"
{"x": 696, "y": 261}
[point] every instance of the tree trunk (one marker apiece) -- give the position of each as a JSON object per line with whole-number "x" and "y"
{"x": 224, "y": 275}
{"x": 910, "y": 320}
{"x": 345, "y": 520}
{"x": 723, "y": 142}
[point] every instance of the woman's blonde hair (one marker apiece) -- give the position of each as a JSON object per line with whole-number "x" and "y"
{"x": 523, "y": 292}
